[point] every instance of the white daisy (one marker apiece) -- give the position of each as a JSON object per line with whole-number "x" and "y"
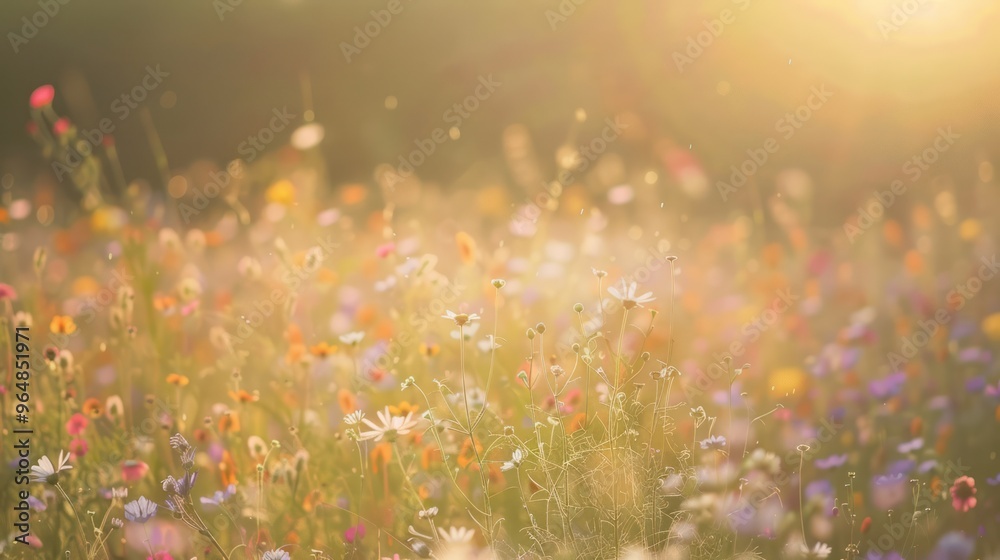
{"x": 391, "y": 427}
{"x": 385, "y": 285}
{"x": 456, "y": 535}
{"x": 489, "y": 343}
{"x": 460, "y": 318}
{"x": 819, "y": 551}
{"x": 45, "y": 471}
{"x": 354, "y": 417}
{"x": 352, "y": 338}
{"x": 763, "y": 461}
{"x": 628, "y": 296}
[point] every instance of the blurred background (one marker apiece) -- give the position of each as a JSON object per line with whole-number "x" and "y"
{"x": 713, "y": 78}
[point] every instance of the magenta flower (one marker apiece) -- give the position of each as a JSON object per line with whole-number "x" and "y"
{"x": 78, "y": 447}
{"x": 7, "y": 292}
{"x": 963, "y": 494}
{"x": 355, "y": 533}
{"x": 61, "y": 127}
{"x": 385, "y": 250}
{"x": 42, "y": 96}
{"x": 76, "y": 424}
{"x": 134, "y": 470}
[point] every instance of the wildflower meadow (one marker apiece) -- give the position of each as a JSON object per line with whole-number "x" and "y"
{"x": 589, "y": 339}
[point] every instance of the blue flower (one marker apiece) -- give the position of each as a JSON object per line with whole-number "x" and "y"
{"x": 141, "y": 510}
{"x": 713, "y": 442}
{"x": 954, "y": 546}
{"x": 220, "y": 497}
{"x": 276, "y": 554}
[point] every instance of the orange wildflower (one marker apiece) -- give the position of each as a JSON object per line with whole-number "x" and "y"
{"x": 92, "y": 407}
{"x": 243, "y": 396}
{"x": 348, "y": 402}
{"x": 429, "y": 350}
{"x": 322, "y": 350}
{"x": 227, "y": 469}
{"x": 578, "y": 421}
{"x": 62, "y": 324}
{"x": 429, "y": 456}
{"x": 466, "y": 247}
{"x": 365, "y": 315}
{"x": 164, "y": 302}
{"x": 293, "y": 334}
{"x": 353, "y": 194}
{"x": 914, "y": 262}
{"x": 771, "y": 254}
{"x": 467, "y": 456}
{"x": 295, "y": 353}
{"x": 403, "y": 409}
{"x": 311, "y": 500}
{"x": 327, "y": 276}
{"x": 229, "y": 422}
{"x": 893, "y": 233}
{"x": 178, "y": 379}
{"x": 380, "y": 456}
